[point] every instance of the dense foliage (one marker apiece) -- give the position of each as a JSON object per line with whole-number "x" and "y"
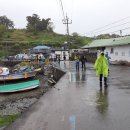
{"x": 107, "y": 36}
{"x": 6, "y": 22}
{"x": 35, "y": 24}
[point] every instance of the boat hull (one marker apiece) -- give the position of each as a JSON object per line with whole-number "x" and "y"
{"x": 17, "y": 76}
{"x": 9, "y": 88}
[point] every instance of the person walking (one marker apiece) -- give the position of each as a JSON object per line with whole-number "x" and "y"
{"x": 77, "y": 62}
{"x": 83, "y": 61}
{"x": 108, "y": 59}
{"x": 64, "y": 59}
{"x": 101, "y": 66}
{"x": 58, "y": 60}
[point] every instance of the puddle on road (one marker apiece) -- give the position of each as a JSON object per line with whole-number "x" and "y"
{"x": 102, "y": 101}
{"x": 80, "y": 76}
{"x": 99, "y": 100}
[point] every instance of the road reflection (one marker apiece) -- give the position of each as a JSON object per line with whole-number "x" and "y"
{"x": 77, "y": 77}
{"x": 102, "y": 101}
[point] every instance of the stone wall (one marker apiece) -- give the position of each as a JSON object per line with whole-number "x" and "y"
{"x": 57, "y": 73}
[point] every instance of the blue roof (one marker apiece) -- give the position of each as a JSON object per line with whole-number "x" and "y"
{"x": 41, "y": 47}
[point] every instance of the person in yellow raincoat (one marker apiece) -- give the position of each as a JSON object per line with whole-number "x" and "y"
{"x": 101, "y": 66}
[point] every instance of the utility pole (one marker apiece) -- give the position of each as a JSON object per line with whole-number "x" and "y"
{"x": 66, "y": 21}
{"x": 120, "y": 32}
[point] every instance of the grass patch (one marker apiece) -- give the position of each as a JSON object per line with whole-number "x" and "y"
{"x": 5, "y": 120}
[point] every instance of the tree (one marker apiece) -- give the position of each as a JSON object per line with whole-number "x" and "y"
{"x": 76, "y": 40}
{"x": 75, "y": 34}
{"x": 36, "y": 24}
{"x": 107, "y": 36}
{"x": 2, "y": 29}
{"x": 33, "y": 22}
{"x": 7, "y": 22}
{"x": 115, "y": 35}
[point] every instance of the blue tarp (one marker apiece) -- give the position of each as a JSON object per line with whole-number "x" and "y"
{"x": 41, "y": 47}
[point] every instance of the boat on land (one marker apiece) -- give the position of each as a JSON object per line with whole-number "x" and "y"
{"x": 5, "y": 75}
{"x": 18, "y": 87}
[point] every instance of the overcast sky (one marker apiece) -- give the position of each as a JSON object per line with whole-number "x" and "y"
{"x": 86, "y": 15}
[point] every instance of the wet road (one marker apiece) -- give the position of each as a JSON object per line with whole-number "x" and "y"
{"x": 77, "y": 104}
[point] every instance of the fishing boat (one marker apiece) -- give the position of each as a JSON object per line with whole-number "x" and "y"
{"x": 5, "y": 75}
{"x": 17, "y": 87}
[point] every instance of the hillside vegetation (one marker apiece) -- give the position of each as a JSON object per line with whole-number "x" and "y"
{"x": 38, "y": 31}
{"x": 15, "y": 41}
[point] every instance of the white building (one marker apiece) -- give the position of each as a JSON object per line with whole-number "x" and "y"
{"x": 62, "y": 53}
{"x": 118, "y": 49}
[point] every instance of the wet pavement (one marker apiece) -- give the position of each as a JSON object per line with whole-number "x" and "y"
{"x": 76, "y": 103}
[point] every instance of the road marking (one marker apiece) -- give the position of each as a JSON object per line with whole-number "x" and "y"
{"x": 72, "y": 120}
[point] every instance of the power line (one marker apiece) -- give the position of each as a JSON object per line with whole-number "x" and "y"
{"x": 112, "y": 27}
{"x": 72, "y": 5}
{"x": 108, "y": 24}
{"x": 61, "y": 5}
{"x": 121, "y": 30}
{"x": 59, "y": 8}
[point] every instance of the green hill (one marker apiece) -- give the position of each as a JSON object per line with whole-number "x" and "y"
{"x": 16, "y": 41}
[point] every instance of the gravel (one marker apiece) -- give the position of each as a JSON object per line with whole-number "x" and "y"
{"x": 16, "y": 107}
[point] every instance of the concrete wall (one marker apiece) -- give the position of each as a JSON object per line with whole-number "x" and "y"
{"x": 58, "y": 73}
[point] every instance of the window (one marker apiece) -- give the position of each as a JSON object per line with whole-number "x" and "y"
{"x": 116, "y": 53}
{"x": 123, "y": 53}
{"x": 112, "y": 50}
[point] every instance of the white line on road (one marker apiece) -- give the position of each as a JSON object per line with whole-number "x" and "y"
{"x": 72, "y": 120}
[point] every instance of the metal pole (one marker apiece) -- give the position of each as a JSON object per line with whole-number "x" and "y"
{"x": 66, "y": 21}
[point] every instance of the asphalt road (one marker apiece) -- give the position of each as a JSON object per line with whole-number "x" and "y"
{"x": 76, "y": 103}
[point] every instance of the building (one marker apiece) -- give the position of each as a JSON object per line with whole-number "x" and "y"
{"x": 61, "y": 53}
{"x": 118, "y": 49}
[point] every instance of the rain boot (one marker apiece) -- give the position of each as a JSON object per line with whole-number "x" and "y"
{"x": 105, "y": 82}
{"x": 105, "y": 85}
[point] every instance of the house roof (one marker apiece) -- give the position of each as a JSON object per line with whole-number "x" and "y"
{"x": 41, "y": 47}
{"x": 109, "y": 42}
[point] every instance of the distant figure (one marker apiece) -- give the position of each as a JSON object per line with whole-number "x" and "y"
{"x": 42, "y": 58}
{"x": 47, "y": 61}
{"x": 83, "y": 61}
{"x": 37, "y": 58}
{"x": 54, "y": 59}
{"x": 77, "y": 62}
{"x": 64, "y": 58}
{"x": 101, "y": 66}
{"x": 58, "y": 60}
{"x": 108, "y": 59}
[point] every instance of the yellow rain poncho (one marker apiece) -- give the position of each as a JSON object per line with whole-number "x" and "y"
{"x": 101, "y": 66}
